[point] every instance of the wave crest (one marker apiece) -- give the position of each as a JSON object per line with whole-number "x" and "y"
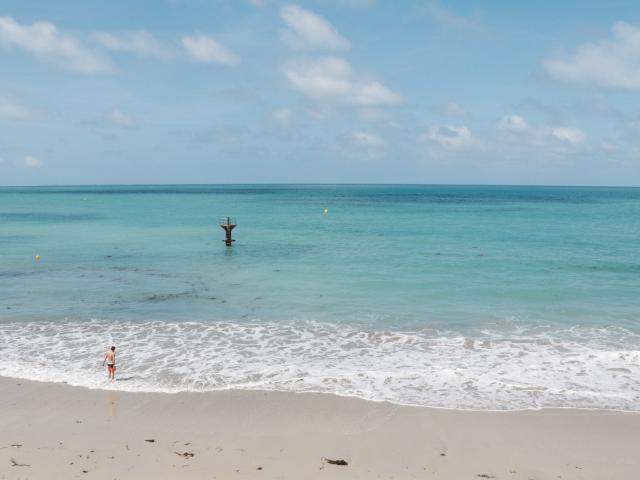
{"x": 523, "y": 368}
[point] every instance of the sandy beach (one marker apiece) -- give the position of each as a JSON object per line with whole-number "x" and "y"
{"x": 57, "y": 431}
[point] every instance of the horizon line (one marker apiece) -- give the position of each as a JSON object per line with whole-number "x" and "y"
{"x": 318, "y": 184}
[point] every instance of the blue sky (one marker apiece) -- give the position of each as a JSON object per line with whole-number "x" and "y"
{"x": 326, "y": 91}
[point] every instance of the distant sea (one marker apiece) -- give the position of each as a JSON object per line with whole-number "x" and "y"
{"x": 452, "y": 296}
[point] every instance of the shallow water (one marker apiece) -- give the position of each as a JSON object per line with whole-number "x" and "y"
{"x": 458, "y": 296}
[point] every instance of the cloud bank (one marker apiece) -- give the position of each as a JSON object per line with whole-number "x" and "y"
{"x": 140, "y": 42}
{"x": 121, "y": 119}
{"x": 206, "y": 49}
{"x": 332, "y": 78}
{"x": 45, "y": 42}
{"x": 308, "y": 30}
{"x": 613, "y": 63}
{"x": 11, "y": 109}
{"x": 31, "y": 162}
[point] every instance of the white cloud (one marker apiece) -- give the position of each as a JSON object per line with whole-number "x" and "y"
{"x": 355, "y": 3}
{"x": 11, "y": 109}
{"x": 449, "y": 19}
{"x": 367, "y": 140}
{"x": 282, "y": 116}
{"x": 332, "y": 78}
{"x": 44, "y": 41}
{"x": 610, "y": 63}
{"x": 140, "y": 42}
{"x": 448, "y": 137}
{"x": 119, "y": 118}
{"x": 513, "y": 123}
{"x": 557, "y": 138}
{"x": 308, "y": 30}
{"x": 571, "y": 135}
{"x": 360, "y": 145}
{"x": 370, "y": 92}
{"x": 30, "y": 161}
{"x": 452, "y": 109}
{"x": 204, "y": 48}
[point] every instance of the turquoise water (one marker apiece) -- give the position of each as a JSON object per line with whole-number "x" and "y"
{"x": 460, "y": 296}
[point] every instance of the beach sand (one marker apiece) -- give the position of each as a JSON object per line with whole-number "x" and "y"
{"x": 55, "y": 431}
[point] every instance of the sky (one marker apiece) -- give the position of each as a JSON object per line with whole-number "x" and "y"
{"x": 325, "y": 91}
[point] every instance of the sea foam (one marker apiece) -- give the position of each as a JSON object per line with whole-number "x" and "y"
{"x": 520, "y": 369}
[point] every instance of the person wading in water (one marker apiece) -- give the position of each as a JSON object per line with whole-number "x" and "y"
{"x": 110, "y": 360}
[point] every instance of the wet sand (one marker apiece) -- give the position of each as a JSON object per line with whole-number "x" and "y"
{"x": 57, "y": 431}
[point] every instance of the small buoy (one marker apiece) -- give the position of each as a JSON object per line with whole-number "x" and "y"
{"x": 37, "y": 258}
{"x": 325, "y": 211}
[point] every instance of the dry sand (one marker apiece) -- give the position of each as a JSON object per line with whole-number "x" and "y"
{"x": 54, "y": 431}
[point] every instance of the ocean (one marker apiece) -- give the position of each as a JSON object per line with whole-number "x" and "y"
{"x": 475, "y": 297}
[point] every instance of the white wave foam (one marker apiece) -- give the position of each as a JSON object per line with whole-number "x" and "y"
{"x": 578, "y": 367}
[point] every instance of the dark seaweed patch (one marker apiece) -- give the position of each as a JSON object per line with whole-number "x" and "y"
{"x": 15, "y": 238}
{"x": 48, "y": 217}
{"x": 15, "y": 274}
{"x": 163, "y": 297}
{"x": 611, "y": 267}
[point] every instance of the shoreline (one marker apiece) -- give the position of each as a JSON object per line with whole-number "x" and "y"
{"x": 76, "y": 432}
{"x": 310, "y": 392}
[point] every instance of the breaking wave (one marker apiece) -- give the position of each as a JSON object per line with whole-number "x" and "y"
{"x": 581, "y": 367}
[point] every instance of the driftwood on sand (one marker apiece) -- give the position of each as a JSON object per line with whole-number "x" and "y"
{"x": 338, "y": 461}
